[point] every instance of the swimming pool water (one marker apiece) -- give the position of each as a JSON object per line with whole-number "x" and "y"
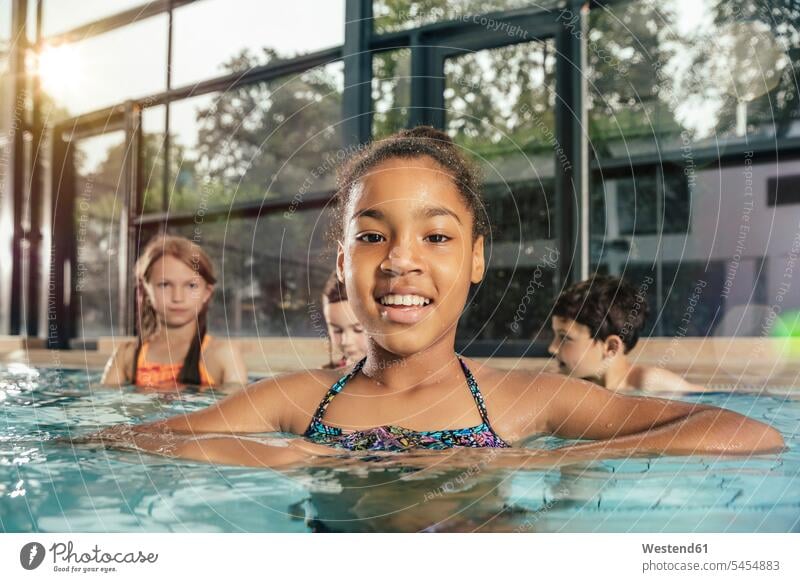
{"x": 50, "y": 487}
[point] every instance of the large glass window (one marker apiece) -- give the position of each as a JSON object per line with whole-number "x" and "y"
{"x": 667, "y": 81}
{"x": 277, "y": 139}
{"x": 99, "y": 200}
{"x": 5, "y": 26}
{"x": 391, "y": 91}
{"x": 106, "y": 69}
{"x": 648, "y": 201}
{"x": 667, "y": 75}
{"x": 6, "y": 98}
{"x": 213, "y": 37}
{"x": 63, "y": 15}
{"x": 675, "y": 80}
{"x": 151, "y": 174}
{"x": 733, "y": 256}
{"x": 7, "y": 112}
{"x": 499, "y": 107}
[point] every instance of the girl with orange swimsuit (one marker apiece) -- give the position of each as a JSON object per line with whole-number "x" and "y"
{"x": 175, "y": 282}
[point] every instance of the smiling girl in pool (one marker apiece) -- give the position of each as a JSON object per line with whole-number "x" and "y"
{"x": 411, "y": 230}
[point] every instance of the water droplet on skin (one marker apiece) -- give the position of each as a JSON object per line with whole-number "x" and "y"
{"x": 609, "y": 425}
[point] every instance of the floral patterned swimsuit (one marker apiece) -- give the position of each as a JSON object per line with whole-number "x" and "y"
{"x": 396, "y": 438}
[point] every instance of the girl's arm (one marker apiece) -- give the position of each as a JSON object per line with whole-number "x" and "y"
{"x": 117, "y": 368}
{"x": 625, "y": 425}
{"x": 217, "y": 449}
{"x": 267, "y": 406}
{"x": 251, "y": 453}
{"x": 234, "y": 370}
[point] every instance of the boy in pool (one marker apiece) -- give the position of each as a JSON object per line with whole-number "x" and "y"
{"x": 410, "y": 229}
{"x": 596, "y": 323}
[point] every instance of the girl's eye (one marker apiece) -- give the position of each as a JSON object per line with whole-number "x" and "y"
{"x": 358, "y": 329}
{"x": 370, "y": 237}
{"x": 438, "y": 238}
{"x": 193, "y": 285}
{"x": 162, "y": 285}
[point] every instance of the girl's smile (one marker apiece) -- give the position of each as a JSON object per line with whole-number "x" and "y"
{"x": 404, "y": 305}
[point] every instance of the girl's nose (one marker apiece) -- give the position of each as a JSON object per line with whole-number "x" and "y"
{"x": 401, "y": 259}
{"x": 551, "y": 349}
{"x": 347, "y": 338}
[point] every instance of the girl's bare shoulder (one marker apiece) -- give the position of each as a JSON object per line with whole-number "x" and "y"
{"x": 294, "y": 396}
{"x": 298, "y": 387}
{"x": 126, "y": 351}
{"x": 517, "y": 400}
{"x": 514, "y": 381}
{"x": 117, "y": 369}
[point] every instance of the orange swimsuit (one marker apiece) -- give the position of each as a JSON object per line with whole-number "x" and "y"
{"x": 156, "y": 375}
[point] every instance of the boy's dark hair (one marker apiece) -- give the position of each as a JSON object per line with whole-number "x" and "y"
{"x": 607, "y": 306}
{"x": 418, "y": 142}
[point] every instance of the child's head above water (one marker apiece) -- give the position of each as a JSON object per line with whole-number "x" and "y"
{"x": 175, "y": 281}
{"x": 410, "y": 229}
{"x": 595, "y": 321}
{"x": 344, "y": 329}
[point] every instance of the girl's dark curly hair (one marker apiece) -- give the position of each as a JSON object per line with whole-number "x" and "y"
{"x": 414, "y": 143}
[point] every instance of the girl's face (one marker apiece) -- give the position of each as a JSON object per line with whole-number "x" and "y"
{"x": 176, "y": 291}
{"x": 345, "y": 331}
{"x": 408, "y": 255}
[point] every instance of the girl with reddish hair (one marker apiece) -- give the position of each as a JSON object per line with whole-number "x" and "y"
{"x": 175, "y": 282}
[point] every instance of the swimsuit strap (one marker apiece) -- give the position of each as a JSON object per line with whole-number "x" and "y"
{"x": 339, "y": 386}
{"x": 476, "y": 392}
{"x": 136, "y": 353}
{"x": 334, "y": 390}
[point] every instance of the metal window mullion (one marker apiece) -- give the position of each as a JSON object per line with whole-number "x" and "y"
{"x": 126, "y": 256}
{"x": 357, "y": 93}
{"x": 660, "y": 190}
{"x": 11, "y": 293}
{"x": 34, "y": 235}
{"x": 166, "y": 155}
{"x": 572, "y": 183}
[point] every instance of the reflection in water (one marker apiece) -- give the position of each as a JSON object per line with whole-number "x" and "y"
{"x": 403, "y": 500}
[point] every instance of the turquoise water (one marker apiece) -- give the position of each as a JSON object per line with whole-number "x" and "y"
{"x": 46, "y": 486}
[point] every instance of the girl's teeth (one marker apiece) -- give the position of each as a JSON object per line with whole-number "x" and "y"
{"x": 404, "y": 300}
